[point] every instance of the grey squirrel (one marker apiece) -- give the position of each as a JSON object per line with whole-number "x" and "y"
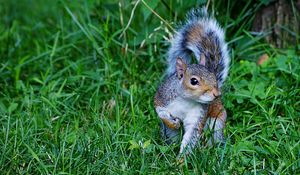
{"x": 191, "y": 92}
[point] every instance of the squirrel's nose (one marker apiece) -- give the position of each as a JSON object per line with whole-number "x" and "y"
{"x": 216, "y": 92}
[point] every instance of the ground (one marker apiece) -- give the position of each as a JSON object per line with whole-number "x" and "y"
{"x": 77, "y": 80}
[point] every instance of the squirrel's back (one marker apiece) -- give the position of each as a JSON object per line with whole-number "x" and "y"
{"x": 202, "y": 37}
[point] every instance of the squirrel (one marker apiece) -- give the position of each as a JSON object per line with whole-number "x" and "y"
{"x": 191, "y": 93}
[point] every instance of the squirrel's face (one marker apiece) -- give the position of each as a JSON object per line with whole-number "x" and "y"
{"x": 197, "y": 82}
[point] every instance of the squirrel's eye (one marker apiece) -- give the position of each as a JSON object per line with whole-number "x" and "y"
{"x": 194, "y": 81}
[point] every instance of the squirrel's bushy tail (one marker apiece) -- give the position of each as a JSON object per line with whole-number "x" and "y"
{"x": 202, "y": 37}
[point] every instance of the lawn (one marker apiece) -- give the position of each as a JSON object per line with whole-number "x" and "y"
{"x": 77, "y": 81}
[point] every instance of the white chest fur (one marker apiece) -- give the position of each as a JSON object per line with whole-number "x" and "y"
{"x": 188, "y": 111}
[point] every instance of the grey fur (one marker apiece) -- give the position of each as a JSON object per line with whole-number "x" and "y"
{"x": 202, "y": 37}
{"x": 172, "y": 91}
{"x": 212, "y": 44}
{"x": 168, "y": 90}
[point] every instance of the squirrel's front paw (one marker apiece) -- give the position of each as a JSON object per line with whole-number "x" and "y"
{"x": 172, "y": 123}
{"x": 169, "y": 120}
{"x": 176, "y": 123}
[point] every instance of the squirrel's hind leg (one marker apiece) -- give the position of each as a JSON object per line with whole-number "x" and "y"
{"x": 216, "y": 121}
{"x": 216, "y": 125}
{"x": 169, "y": 135}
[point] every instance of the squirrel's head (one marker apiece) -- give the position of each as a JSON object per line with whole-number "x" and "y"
{"x": 198, "y": 83}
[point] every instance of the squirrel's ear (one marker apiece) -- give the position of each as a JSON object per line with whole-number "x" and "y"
{"x": 180, "y": 67}
{"x": 202, "y": 60}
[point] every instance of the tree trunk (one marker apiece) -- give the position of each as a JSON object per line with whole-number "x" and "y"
{"x": 279, "y": 20}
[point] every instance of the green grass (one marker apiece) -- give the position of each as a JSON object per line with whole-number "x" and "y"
{"x": 76, "y": 94}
